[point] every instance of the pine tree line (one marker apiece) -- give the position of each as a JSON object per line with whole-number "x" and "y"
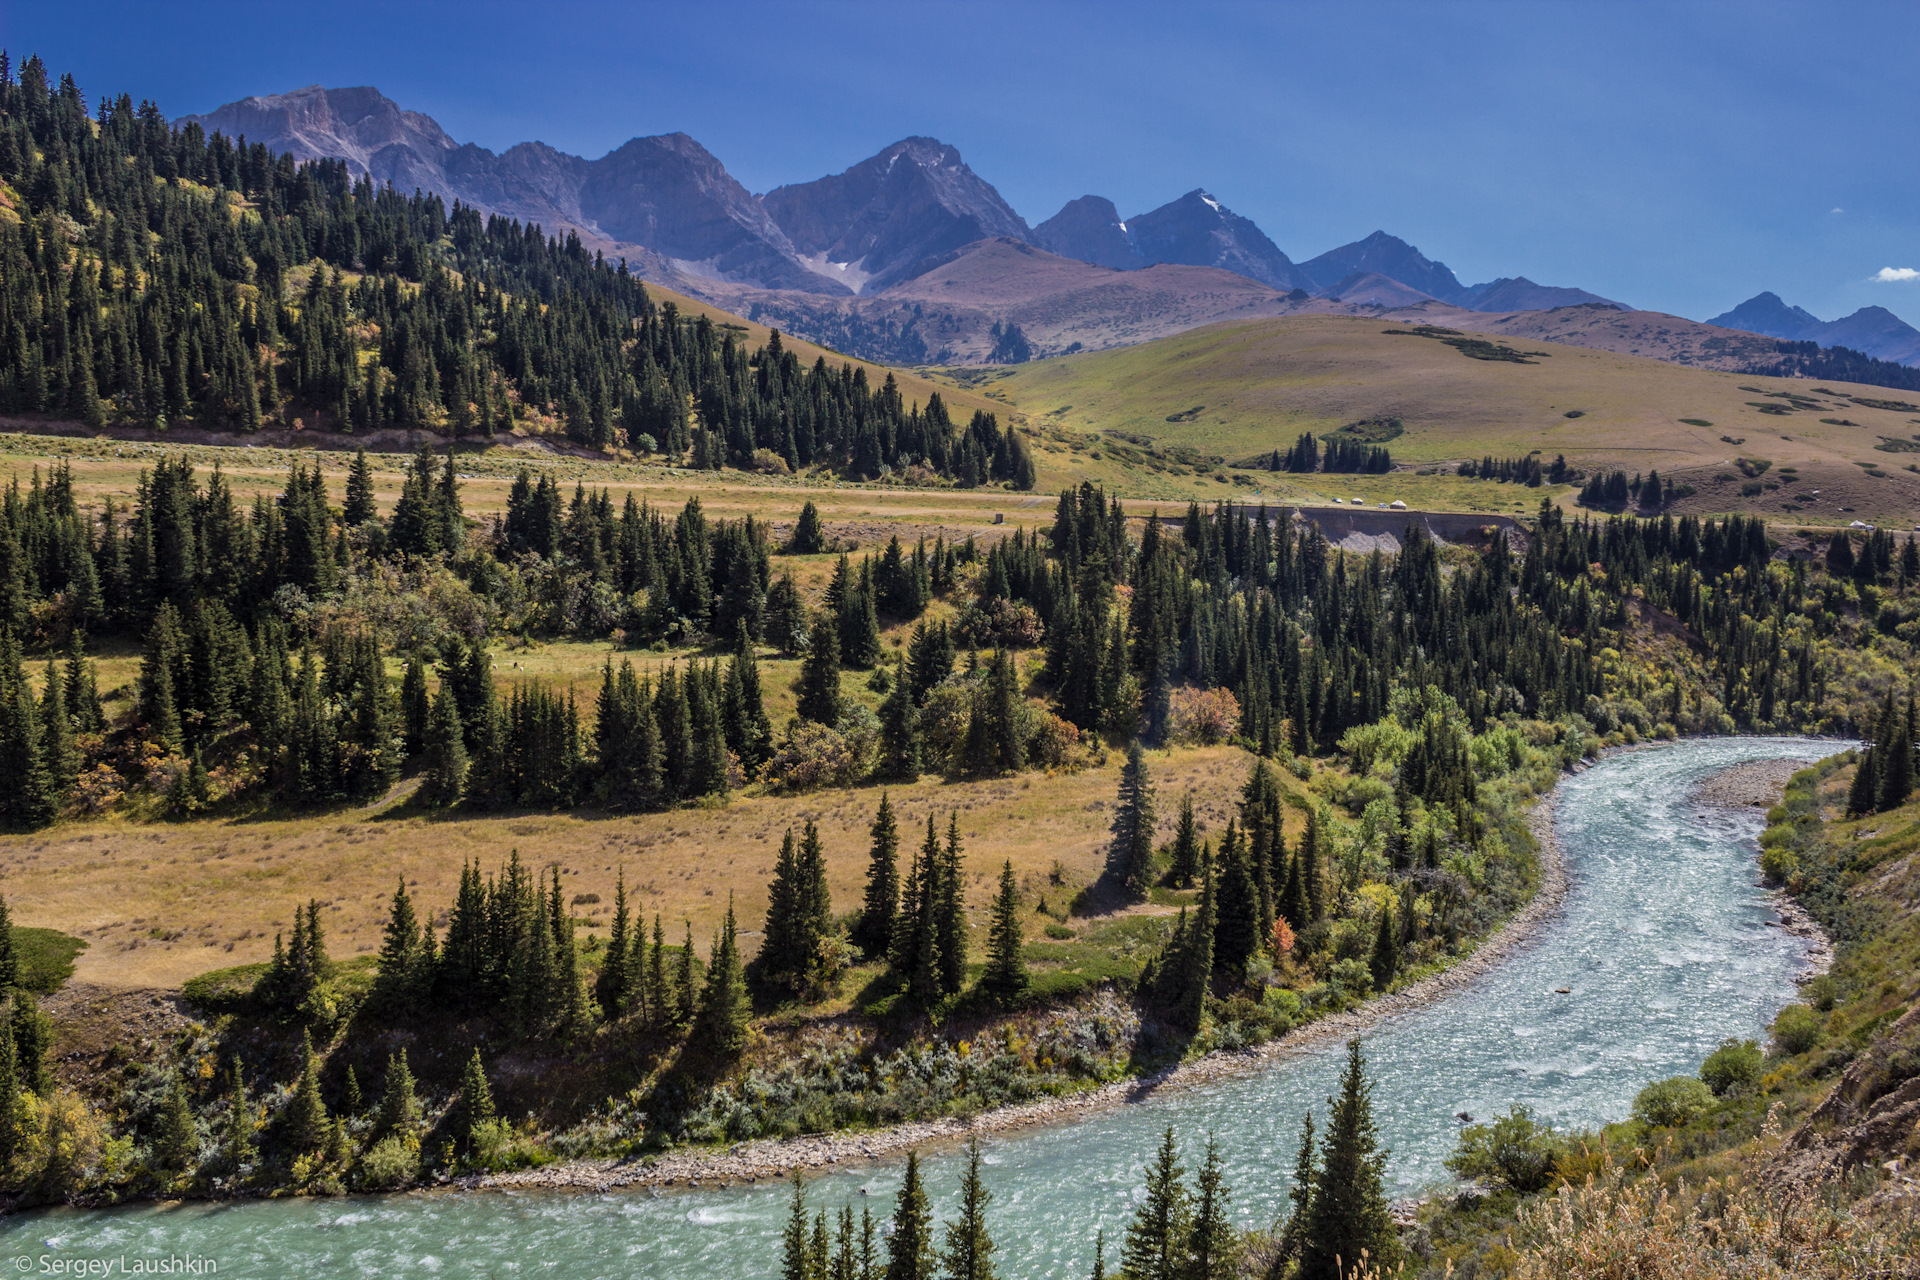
{"x": 175, "y": 307}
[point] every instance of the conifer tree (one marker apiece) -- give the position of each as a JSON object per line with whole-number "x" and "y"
{"x": 809, "y": 538}
{"x": 1864, "y": 794}
{"x": 616, "y": 980}
{"x": 359, "y": 506}
{"x": 910, "y": 1247}
{"x": 1299, "y": 1201}
{"x": 657, "y": 1004}
{"x": 1384, "y": 961}
{"x": 1185, "y": 862}
{"x": 819, "y": 685}
{"x": 1099, "y": 1271}
{"x": 1130, "y": 863}
{"x": 305, "y": 1120}
{"x": 416, "y": 704}
{"x": 1006, "y": 973}
{"x": 237, "y": 1146}
{"x": 874, "y": 932}
{"x": 1348, "y": 1212}
{"x": 32, "y": 1038}
{"x": 780, "y": 955}
{"x": 950, "y": 919}
{"x": 1212, "y": 1244}
{"x": 176, "y": 1142}
{"x": 796, "y": 1250}
{"x": 9, "y": 951}
{"x": 901, "y": 755}
{"x": 721, "y": 1025}
{"x": 475, "y": 1105}
{"x": 1238, "y": 934}
{"x": 686, "y": 994}
{"x": 399, "y": 975}
{"x": 1157, "y": 1238}
{"x": 970, "y": 1249}
{"x": 445, "y": 752}
{"x": 399, "y": 1109}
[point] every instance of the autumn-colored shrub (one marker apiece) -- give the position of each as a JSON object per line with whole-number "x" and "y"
{"x": 1203, "y": 716}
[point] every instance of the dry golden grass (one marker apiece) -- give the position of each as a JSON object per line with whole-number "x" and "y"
{"x": 160, "y": 903}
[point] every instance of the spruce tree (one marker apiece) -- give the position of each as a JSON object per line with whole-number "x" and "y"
{"x": 1006, "y": 972}
{"x": 809, "y": 538}
{"x": 1348, "y": 1213}
{"x": 819, "y": 685}
{"x": 1299, "y": 1201}
{"x": 359, "y": 506}
{"x": 1238, "y": 934}
{"x": 1384, "y": 961}
{"x": 970, "y": 1249}
{"x": 445, "y": 752}
{"x": 721, "y": 1025}
{"x": 305, "y": 1120}
{"x": 399, "y": 1109}
{"x": 780, "y": 957}
{"x": 237, "y": 1145}
{"x": 617, "y": 978}
{"x": 1185, "y": 863}
{"x": 950, "y": 918}
{"x": 874, "y": 932}
{"x": 398, "y": 977}
{"x": 1864, "y": 795}
{"x": 797, "y": 1261}
{"x": 9, "y": 952}
{"x": 32, "y": 1039}
{"x": 1212, "y": 1244}
{"x": 910, "y": 1247}
{"x": 416, "y": 704}
{"x": 1157, "y": 1238}
{"x": 176, "y": 1142}
{"x": 901, "y": 755}
{"x": 475, "y": 1105}
{"x": 686, "y": 993}
{"x": 1130, "y": 863}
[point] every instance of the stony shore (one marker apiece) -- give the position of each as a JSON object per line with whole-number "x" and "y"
{"x": 1758, "y": 784}
{"x": 751, "y": 1162}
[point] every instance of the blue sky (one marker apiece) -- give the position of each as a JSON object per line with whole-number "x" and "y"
{"x": 1675, "y": 156}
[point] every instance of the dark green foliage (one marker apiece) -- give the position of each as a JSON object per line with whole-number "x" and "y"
{"x": 176, "y": 1139}
{"x": 1130, "y": 863}
{"x": 1514, "y": 1151}
{"x": 819, "y": 684}
{"x": 970, "y": 1249}
{"x": 475, "y": 1103}
{"x": 1348, "y": 1212}
{"x": 808, "y": 539}
{"x": 799, "y": 914}
{"x": 720, "y": 1026}
{"x": 1238, "y": 936}
{"x": 1157, "y": 1240}
{"x": 1384, "y": 960}
{"x": 1212, "y": 1244}
{"x": 444, "y": 753}
{"x": 1006, "y": 972}
{"x": 1185, "y": 863}
{"x": 32, "y": 1039}
{"x": 874, "y": 932}
{"x": 910, "y": 1246}
{"x": 305, "y": 1123}
{"x": 399, "y": 1109}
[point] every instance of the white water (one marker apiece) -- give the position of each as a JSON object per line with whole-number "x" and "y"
{"x": 1663, "y": 938}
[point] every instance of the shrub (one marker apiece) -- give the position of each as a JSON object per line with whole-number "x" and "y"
{"x": 1054, "y": 743}
{"x": 1668, "y": 1104}
{"x": 391, "y": 1163}
{"x": 1778, "y": 864}
{"x": 1515, "y": 1151}
{"x": 1204, "y": 716}
{"x": 811, "y": 755}
{"x": 1797, "y": 1029}
{"x": 769, "y": 463}
{"x": 1001, "y": 623}
{"x": 1733, "y": 1064}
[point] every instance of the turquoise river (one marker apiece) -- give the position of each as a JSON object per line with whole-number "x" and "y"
{"x": 1664, "y": 939}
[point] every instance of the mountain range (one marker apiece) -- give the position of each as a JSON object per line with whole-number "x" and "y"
{"x": 911, "y": 256}
{"x": 1873, "y": 330}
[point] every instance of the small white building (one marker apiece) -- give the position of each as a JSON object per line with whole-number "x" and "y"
{"x": 1398, "y": 504}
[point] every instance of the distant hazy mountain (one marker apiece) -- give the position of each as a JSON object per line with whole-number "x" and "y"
{"x": 873, "y": 223}
{"x": 666, "y": 194}
{"x": 1091, "y": 230}
{"x": 1198, "y": 231}
{"x": 1517, "y": 293}
{"x": 1386, "y": 255}
{"x": 1874, "y": 331}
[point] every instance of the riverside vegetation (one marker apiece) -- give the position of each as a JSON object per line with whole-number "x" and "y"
{"x": 1397, "y": 712}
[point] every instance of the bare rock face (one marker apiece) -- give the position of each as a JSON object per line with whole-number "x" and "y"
{"x": 666, "y": 197}
{"x": 1873, "y": 330}
{"x": 1517, "y": 293}
{"x": 875, "y": 223}
{"x": 1197, "y": 230}
{"x": 1091, "y": 230}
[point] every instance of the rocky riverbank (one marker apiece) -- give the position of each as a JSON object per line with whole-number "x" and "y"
{"x": 1758, "y": 784}
{"x": 750, "y": 1162}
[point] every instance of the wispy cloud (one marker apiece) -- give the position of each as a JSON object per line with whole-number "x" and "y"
{"x": 1836, "y": 210}
{"x": 1893, "y": 275}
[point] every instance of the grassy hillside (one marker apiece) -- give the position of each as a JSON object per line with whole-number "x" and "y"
{"x": 1234, "y": 391}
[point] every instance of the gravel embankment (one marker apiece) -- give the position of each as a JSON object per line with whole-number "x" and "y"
{"x": 1758, "y": 784}
{"x": 751, "y": 1162}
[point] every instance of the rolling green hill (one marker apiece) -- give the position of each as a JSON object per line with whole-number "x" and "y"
{"x": 1232, "y": 392}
